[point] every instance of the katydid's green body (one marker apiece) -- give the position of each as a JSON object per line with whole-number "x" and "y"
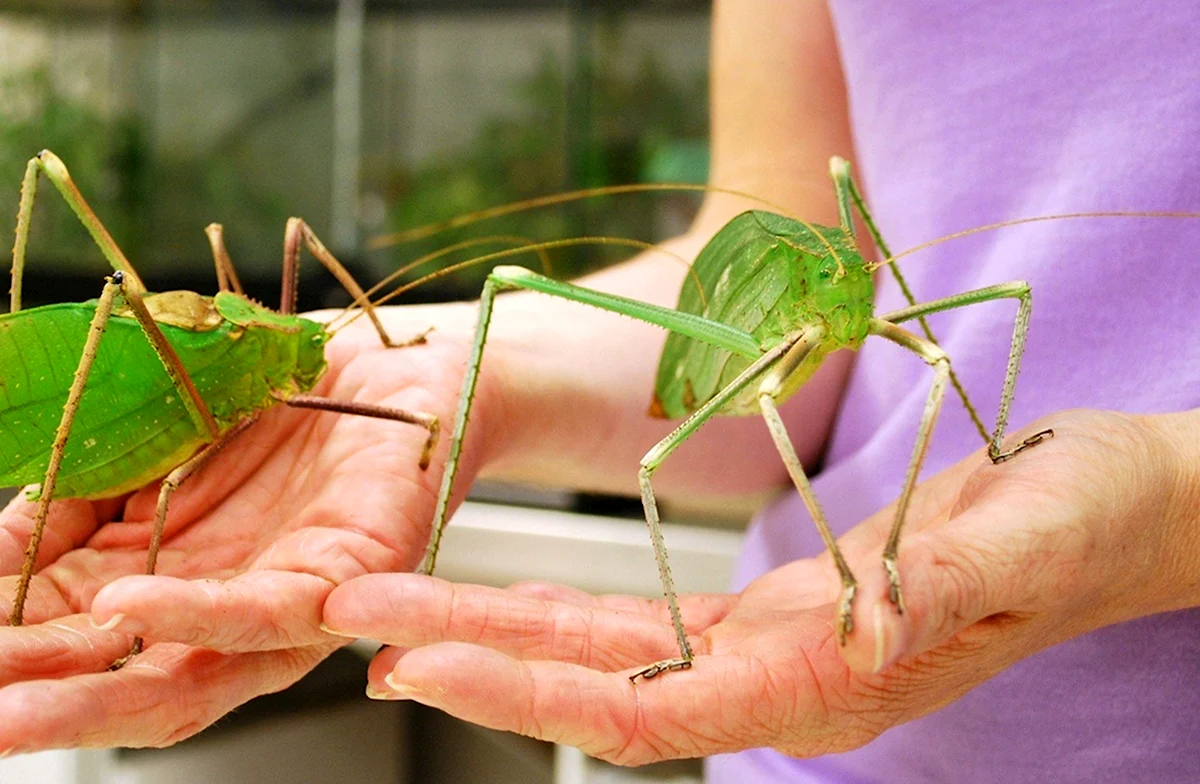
{"x": 765, "y": 275}
{"x": 132, "y": 426}
{"x": 768, "y": 299}
{"x": 170, "y": 378}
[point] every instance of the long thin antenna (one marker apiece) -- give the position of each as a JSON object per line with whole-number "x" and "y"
{"x": 1021, "y": 221}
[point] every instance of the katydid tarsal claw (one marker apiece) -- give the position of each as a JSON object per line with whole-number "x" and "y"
{"x": 154, "y": 384}
{"x": 769, "y": 298}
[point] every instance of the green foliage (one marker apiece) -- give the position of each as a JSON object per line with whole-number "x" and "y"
{"x": 154, "y": 203}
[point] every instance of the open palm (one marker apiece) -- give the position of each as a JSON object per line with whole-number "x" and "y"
{"x": 1000, "y": 562}
{"x": 253, "y": 544}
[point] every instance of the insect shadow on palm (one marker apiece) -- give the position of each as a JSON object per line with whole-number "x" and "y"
{"x": 766, "y": 301}
{"x": 171, "y": 378}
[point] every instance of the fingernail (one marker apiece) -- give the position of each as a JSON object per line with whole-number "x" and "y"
{"x": 880, "y": 642}
{"x": 120, "y": 622}
{"x": 336, "y": 633}
{"x": 13, "y": 750}
{"x": 888, "y": 648}
{"x": 403, "y": 691}
{"x": 383, "y": 694}
{"x": 108, "y": 625}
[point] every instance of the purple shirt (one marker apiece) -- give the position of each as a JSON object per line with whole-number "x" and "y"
{"x": 967, "y": 113}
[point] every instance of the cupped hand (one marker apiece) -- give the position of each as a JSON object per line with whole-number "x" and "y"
{"x": 1094, "y": 526}
{"x": 253, "y": 544}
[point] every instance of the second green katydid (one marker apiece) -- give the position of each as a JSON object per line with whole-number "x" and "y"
{"x": 96, "y": 418}
{"x": 769, "y": 299}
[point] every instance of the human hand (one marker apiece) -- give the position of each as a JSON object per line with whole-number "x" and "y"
{"x": 253, "y": 545}
{"x": 1095, "y": 526}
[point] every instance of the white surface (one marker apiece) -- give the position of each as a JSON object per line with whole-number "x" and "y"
{"x": 499, "y": 545}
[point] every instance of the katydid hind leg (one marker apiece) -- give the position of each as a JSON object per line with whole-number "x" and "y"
{"x": 938, "y": 359}
{"x": 1019, "y": 290}
{"x": 515, "y": 277}
{"x": 91, "y": 347}
{"x": 55, "y": 170}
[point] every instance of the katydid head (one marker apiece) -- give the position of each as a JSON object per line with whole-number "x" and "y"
{"x": 828, "y": 274}
{"x": 310, "y": 352}
{"x": 841, "y": 292}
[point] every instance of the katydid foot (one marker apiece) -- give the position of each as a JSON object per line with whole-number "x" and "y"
{"x": 666, "y": 665}
{"x": 889, "y": 558}
{"x": 997, "y": 457}
{"x": 846, "y": 610}
{"x": 134, "y": 650}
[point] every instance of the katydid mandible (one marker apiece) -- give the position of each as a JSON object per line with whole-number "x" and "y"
{"x": 775, "y": 297}
{"x": 175, "y": 378}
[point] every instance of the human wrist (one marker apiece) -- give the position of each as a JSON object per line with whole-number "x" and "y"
{"x": 1179, "y": 433}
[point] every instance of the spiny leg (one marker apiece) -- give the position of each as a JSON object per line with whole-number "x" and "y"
{"x": 771, "y": 386}
{"x": 506, "y": 277}
{"x": 847, "y": 192}
{"x": 169, "y": 485}
{"x": 227, "y": 279}
{"x": 296, "y": 232}
{"x": 420, "y": 418}
{"x": 95, "y": 331}
{"x": 715, "y": 333}
{"x": 651, "y": 462}
{"x": 1021, "y": 291}
{"x": 935, "y": 356}
{"x": 48, "y": 163}
{"x": 132, "y": 288}
{"x": 783, "y": 443}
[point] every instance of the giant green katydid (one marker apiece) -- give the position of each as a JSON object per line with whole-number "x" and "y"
{"x": 129, "y": 416}
{"x": 775, "y": 296}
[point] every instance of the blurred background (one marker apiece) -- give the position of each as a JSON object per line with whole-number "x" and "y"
{"x": 364, "y": 117}
{"x": 361, "y": 117}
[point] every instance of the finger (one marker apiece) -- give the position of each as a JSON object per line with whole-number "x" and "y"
{"x": 700, "y": 611}
{"x": 69, "y": 523}
{"x": 415, "y": 610}
{"x": 988, "y": 565}
{"x": 604, "y": 714}
{"x": 65, "y": 646}
{"x": 257, "y": 611}
{"x": 166, "y": 694}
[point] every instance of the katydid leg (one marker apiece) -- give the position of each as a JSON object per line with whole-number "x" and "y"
{"x": 651, "y": 462}
{"x": 1018, "y": 290}
{"x": 49, "y": 164}
{"x": 847, "y": 192}
{"x": 419, "y": 418}
{"x": 95, "y": 331}
{"x": 937, "y": 358}
{"x": 768, "y": 389}
{"x": 507, "y": 277}
{"x": 701, "y": 329}
{"x": 169, "y": 485}
{"x": 227, "y": 279}
{"x": 298, "y": 231}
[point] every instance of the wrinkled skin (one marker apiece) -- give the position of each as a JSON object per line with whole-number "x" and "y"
{"x": 266, "y": 522}
{"x": 1095, "y": 526}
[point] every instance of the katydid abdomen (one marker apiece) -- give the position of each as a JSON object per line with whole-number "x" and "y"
{"x": 132, "y": 426}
